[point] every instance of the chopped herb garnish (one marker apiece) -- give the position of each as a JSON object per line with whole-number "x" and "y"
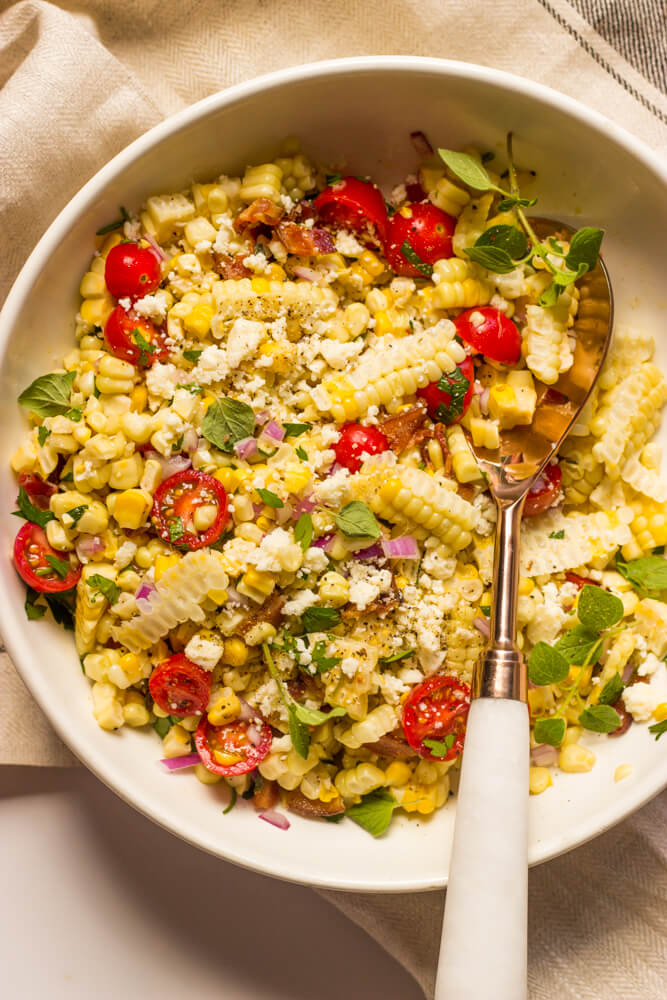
{"x": 146, "y": 349}
{"x": 270, "y": 499}
{"x": 303, "y": 531}
{"x": 549, "y": 731}
{"x": 600, "y": 719}
{"x": 228, "y": 421}
{"x": 320, "y": 619}
{"x": 48, "y": 395}
{"x": 176, "y": 529}
{"x": 302, "y": 453}
{"x": 60, "y": 567}
{"x": 193, "y": 356}
{"x": 558, "y": 534}
{"x": 28, "y": 511}
{"x": 648, "y": 575}
{"x": 413, "y": 257}
{"x": 105, "y": 586}
{"x": 658, "y": 728}
{"x": 232, "y": 802}
{"x": 42, "y": 434}
{"x": 356, "y": 520}
{"x": 295, "y": 430}
{"x": 456, "y": 385}
{"x": 116, "y": 224}
{"x": 374, "y": 812}
{"x": 395, "y": 657}
{"x": 440, "y": 748}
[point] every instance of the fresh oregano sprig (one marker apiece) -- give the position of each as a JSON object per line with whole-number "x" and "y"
{"x": 502, "y": 248}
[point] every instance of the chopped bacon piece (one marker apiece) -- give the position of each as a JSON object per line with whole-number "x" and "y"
{"x": 230, "y": 267}
{"x": 309, "y": 242}
{"x": 392, "y": 745}
{"x": 270, "y": 612}
{"x": 382, "y": 606}
{"x": 297, "y": 802}
{"x": 402, "y": 429}
{"x": 266, "y": 796}
{"x": 260, "y": 212}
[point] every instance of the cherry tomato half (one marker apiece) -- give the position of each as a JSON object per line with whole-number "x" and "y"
{"x": 580, "y": 581}
{"x": 32, "y": 553}
{"x": 428, "y": 232}
{"x": 175, "y": 503}
{"x": 435, "y": 710}
{"x": 356, "y": 441}
{"x": 134, "y": 338}
{"x": 544, "y": 491}
{"x": 234, "y": 748}
{"x": 490, "y": 332}
{"x": 439, "y": 401}
{"x": 39, "y": 490}
{"x": 131, "y": 271}
{"x": 180, "y": 687}
{"x": 355, "y": 205}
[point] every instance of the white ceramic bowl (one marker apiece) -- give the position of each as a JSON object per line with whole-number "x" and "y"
{"x": 360, "y": 111}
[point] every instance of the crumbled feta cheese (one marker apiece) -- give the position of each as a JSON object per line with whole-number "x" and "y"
{"x": 268, "y": 701}
{"x": 367, "y": 584}
{"x": 320, "y": 397}
{"x": 243, "y": 340}
{"x": 124, "y": 555}
{"x": 203, "y": 652}
{"x": 642, "y": 699}
{"x": 347, "y": 244}
{"x": 649, "y": 666}
{"x": 337, "y": 353}
{"x": 153, "y": 307}
{"x": 162, "y": 380}
{"x": 349, "y": 666}
{"x": 277, "y": 551}
{"x": 438, "y": 563}
{"x": 202, "y": 246}
{"x": 299, "y": 602}
{"x": 256, "y": 262}
{"x": 333, "y": 491}
{"x": 315, "y": 560}
{"x": 125, "y": 303}
{"x": 287, "y": 202}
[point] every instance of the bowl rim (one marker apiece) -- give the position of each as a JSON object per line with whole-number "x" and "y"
{"x": 545, "y": 850}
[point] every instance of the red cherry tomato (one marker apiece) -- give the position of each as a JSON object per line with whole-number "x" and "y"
{"x": 31, "y": 558}
{"x": 435, "y": 710}
{"x": 356, "y": 441}
{"x": 39, "y": 491}
{"x": 490, "y": 332}
{"x": 580, "y": 581}
{"x": 439, "y": 401}
{"x": 248, "y": 742}
{"x": 428, "y": 232}
{"x": 355, "y": 205}
{"x": 174, "y": 505}
{"x": 127, "y": 336}
{"x": 131, "y": 271}
{"x": 543, "y": 492}
{"x": 180, "y": 687}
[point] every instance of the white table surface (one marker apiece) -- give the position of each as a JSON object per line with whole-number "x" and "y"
{"x": 98, "y": 902}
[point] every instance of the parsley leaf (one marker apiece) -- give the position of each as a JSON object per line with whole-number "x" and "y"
{"x": 558, "y": 534}
{"x": 163, "y": 725}
{"x": 357, "y": 521}
{"x": 61, "y": 606}
{"x": 299, "y": 733}
{"x": 116, "y": 224}
{"x": 612, "y": 690}
{"x": 48, "y": 395}
{"x": 145, "y": 346}
{"x": 176, "y": 530}
{"x": 549, "y": 731}
{"x": 106, "y": 587}
{"x": 27, "y": 510}
{"x": 438, "y": 748}
{"x": 600, "y": 719}
{"x": 467, "y": 169}
{"x": 226, "y": 422}
{"x": 646, "y": 574}
{"x": 374, "y": 812}
{"x": 321, "y": 661}
{"x": 413, "y": 257}
{"x": 302, "y": 453}
{"x": 33, "y": 611}
{"x": 456, "y": 385}
{"x": 395, "y": 657}
{"x": 59, "y": 566}
{"x": 579, "y": 646}
{"x": 76, "y": 513}
{"x": 193, "y": 356}
{"x": 296, "y": 430}
{"x": 42, "y": 434}
{"x": 584, "y": 248}
{"x": 270, "y": 499}
{"x": 303, "y": 531}
{"x": 320, "y": 619}
{"x": 658, "y": 728}
{"x": 313, "y": 717}
{"x": 597, "y": 609}
{"x": 546, "y": 665}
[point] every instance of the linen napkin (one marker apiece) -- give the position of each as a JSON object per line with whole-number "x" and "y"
{"x": 79, "y": 82}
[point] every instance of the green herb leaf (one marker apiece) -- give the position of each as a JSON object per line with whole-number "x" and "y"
{"x": 226, "y": 422}
{"x": 600, "y": 719}
{"x": 467, "y": 169}
{"x": 74, "y": 414}
{"x": 546, "y": 665}
{"x": 163, "y": 725}
{"x": 48, "y": 395}
{"x": 176, "y": 529}
{"x": 27, "y": 510}
{"x": 514, "y": 202}
{"x": 612, "y": 690}
{"x": 597, "y": 609}
{"x": 321, "y": 661}
{"x": 395, "y": 657}
{"x": 456, "y": 385}
{"x": 549, "y": 731}
{"x": 374, "y": 812}
{"x": 646, "y": 574}
{"x": 76, "y": 513}
{"x": 193, "y": 356}
{"x": 658, "y": 728}
{"x": 493, "y": 259}
{"x": 320, "y": 619}
{"x": 438, "y": 748}
{"x": 270, "y": 499}
{"x": 558, "y": 534}
{"x": 196, "y": 390}
{"x": 303, "y": 531}
{"x": 579, "y": 646}
{"x": 508, "y": 238}
{"x": 584, "y": 248}
{"x": 42, "y": 434}
{"x": 145, "y": 346}
{"x": 413, "y": 257}
{"x": 232, "y": 802}
{"x": 313, "y": 717}
{"x": 332, "y": 179}
{"x": 549, "y": 296}
{"x": 61, "y": 607}
{"x": 296, "y": 430}
{"x": 59, "y": 566}
{"x": 356, "y": 520}
{"x": 106, "y": 587}
{"x": 33, "y": 610}
{"x": 299, "y": 733}
{"x": 302, "y": 453}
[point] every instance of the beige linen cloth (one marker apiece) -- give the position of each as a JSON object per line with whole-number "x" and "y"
{"x": 81, "y": 80}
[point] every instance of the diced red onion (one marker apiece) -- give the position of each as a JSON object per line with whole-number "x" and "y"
{"x": 627, "y": 672}
{"x": 422, "y": 146}
{"x": 543, "y": 755}
{"x": 404, "y": 547}
{"x": 178, "y": 763}
{"x": 370, "y": 552}
{"x": 254, "y": 735}
{"x": 257, "y": 509}
{"x": 305, "y": 505}
{"x": 482, "y": 626}
{"x": 247, "y": 713}
{"x": 245, "y": 447}
{"x": 484, "y": 400}
{"x": 323, "y": 240}
{"x": 320, "y": 543}
{"x": 307, "y": 273}
{"x": 144, "y": 591}
{"x": 234, "y": 598}
{"x": 336, "y": 467}
{"x": 262, "y": 417}
{"x": 275, "y": 819}
{"x": 89, "y": 545}
{"x": 190, "y": 440}
{"x": 274, "y": 431}
{"x": 173, "y": 464}
{"x": 155, "y": 246}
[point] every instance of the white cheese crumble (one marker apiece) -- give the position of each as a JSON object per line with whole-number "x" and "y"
{"x": 203, "y": 652}
{"x": 333, "y": 491}
{"x": 124, "y": 555}
{"x": 162, "y": 380}
{"x": 300, "y": 601}
{"x": 642, "y": 699}
{"x": 349, "y": 666}
{"x": 153, "y": 307}
{"x": 367, "y": 584}
{"x": 276, "y": 551}
{"x": 315, "y": 560}
{"x": 243, "y": 340}
{"x": 347, "y": 244}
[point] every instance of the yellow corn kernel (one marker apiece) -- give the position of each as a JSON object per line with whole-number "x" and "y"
{"x": 138, "y": 398}
{"x": 259, "y": 633}
{"x": 92, "y": 285}
{"x": 398, "y": 773}
{"x": 129, "y": 508}
{"x": 256, "y": 585}
{"x": 576, "y": 759}
{"x": 264, "y": 523}
{"x": 383, "y": 323}
{"x": 96, "y": 312}
{"x": 539, "y": 779}
{"x": 260, "y": 285}
{"x": 235, "y": 652}
{"x": 198, "y": 321}
{"x": 526, "y": 586}
{"x": 371, "y": 263}
{"x": 274, "y": 272}
{"x": 334, "y": 589}
{"x": 225, "y": 708}
{"x": 401, "y": 582}
{"x": 230, "y": 478}
{"x": 296, "y": 477}
{"x": 281, "y": 355}
{"x": 205, "y": 776}
{"x": 358, "y": 272}
{"x": 226, "y": 758}
{"x": 126, "y": 472}
{"x": 622, "y": 771}
{"x": 135, "y": 712}
{"x": 163, "y": 563}
{"x": 176, "y": 742}
{"x": 660, "y": 712}
{"x": 112, "y": 240}
{"x": 536, "y": 702}
{"x": 419, "y": 798}
{"x": 218, "y": 596}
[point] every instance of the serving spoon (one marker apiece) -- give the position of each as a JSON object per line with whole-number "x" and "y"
{"x": 483, "y": 954}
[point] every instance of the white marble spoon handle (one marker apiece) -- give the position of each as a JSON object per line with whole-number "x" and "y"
{"x": 483, "y": 951}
